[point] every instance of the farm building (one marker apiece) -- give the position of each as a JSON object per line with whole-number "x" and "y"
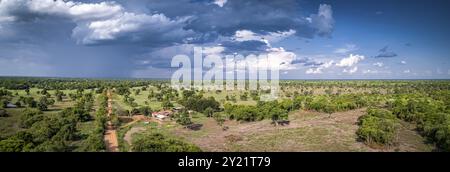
{"x": 10, "y": 105}
{"x": 177, "y": 109}
{"x": 161, "y": 115}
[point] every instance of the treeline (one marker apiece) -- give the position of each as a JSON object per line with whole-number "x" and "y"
{"x": 94, "y": 142}
{"x": 395, "y": 86}
{"x": 332, "y": 103}
{"x": 23, "y": 83}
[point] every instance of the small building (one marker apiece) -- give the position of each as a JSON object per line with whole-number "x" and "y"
{"x": 10, "y": 105}
{"x": 161, "y": 115}
{"x": 177, "y": 109}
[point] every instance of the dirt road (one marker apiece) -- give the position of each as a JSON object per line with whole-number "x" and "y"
{"x": 110, "y": 138}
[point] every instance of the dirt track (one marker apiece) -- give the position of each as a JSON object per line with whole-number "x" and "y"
{"x": 110, "y": 138}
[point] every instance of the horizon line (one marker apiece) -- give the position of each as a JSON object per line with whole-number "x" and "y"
{"x": 135, "y": 78}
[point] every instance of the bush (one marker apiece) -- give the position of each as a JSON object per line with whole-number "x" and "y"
{"x": 145, "y": 110}
{"x": 432, "y": 117}
{"x": 157, "y": 142}
{"x": 94, "y": 142}
{"x": 378, "y": 126}
{"x": 141, "y": 111}
{"x": 12, "y": 145}
{"x": 29, "y": 117}
{"x": 3, "y": 103}
{"x": 3, "y": 113}
{"x": 436, "y": 127}
{"x": 183, "y": 118}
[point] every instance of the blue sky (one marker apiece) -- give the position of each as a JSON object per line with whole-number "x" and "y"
{"x": 340, "y": 39}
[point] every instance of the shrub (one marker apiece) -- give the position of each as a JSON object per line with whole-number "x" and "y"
{"x": 157, "y": 142}
{"x": 183, "y": 118}
{"x": 3, "y": 113}
{"x": 29, "y": 117}
{"x": 432, "y": 117}
{"x": 378, "y": 126}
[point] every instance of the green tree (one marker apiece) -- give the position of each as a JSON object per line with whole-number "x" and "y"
{"x": 208, "y": 112}
{"x": 166, "y": 104}
{"x": 3, "y": 113}
{"x": 183, "y": 118}
{"x": 59, "y": 95}
{"x": 43, "y": 103}
{"x": 145, "y": 110}
{"x": 219, "y": 119}
{"x": 3, "y": 103}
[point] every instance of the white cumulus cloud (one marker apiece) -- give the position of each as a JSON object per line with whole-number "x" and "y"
{"x": 156, "y": 26}
{"x": 350, "y": 61}
{"x": 220, "y": 3}
{"x": 352, "y": 70}
{"x": 276, "y": 57}
{"x": 323, "y": 21}
{"x": 379, "y": 64}
{"x": 319, "y": 69}
{"x": 247, "y": 35}
{"x": 347, "y": 49}
{"x": 69, "y": 9}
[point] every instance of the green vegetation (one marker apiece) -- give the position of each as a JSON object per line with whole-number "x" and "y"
{"x": 39, "y": 131}
{"x": 94, "y": 142}
{"x": 197, "y": 102}
{"x": 157, "y": 142}
{"x": 431, "y": 115}
{"x": 183, "y": 118}
{"x": 378, "y": 126}
{"x": 263, "y": 110}
{"x": 59, "y": 114}
{"x": 3, "y": 113}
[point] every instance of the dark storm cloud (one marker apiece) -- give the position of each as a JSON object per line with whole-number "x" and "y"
{"x": 98, "y": 38}
{"x": 385, "y": 53}
{"x": 258, "y": 16}
{"x": 244, "y": 47}
{"x": 162, "y": 23}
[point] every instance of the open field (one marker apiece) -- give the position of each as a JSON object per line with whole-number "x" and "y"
{"x": 308, "y": 131}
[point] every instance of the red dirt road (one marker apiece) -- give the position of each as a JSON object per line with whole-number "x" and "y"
{"x": 110, "y": 137}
